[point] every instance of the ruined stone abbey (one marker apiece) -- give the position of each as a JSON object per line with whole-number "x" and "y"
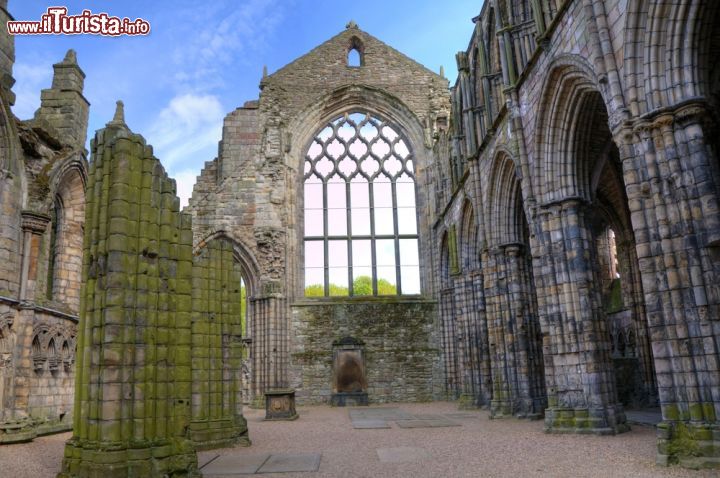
{"x": 541, "y": 239}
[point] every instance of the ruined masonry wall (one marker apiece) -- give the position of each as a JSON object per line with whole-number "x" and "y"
{"x": 401, "y": 348}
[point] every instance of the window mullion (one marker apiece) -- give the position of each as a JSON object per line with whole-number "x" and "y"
{"x": 372, "y": 238}
{"x": 397, "y": 239}
{"x": 325, "y": 240}
{"x": 348, "y": 210}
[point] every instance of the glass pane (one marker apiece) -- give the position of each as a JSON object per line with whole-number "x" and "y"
{"x": 409, "y": 252}
{"x": 362, "y": 254}
{"x": 347, "y": 166}
{"x": 360, "y": 222}
{"x": 369, "y": 166}
{"x": 314, "y": 222}
{"x": 313, "y": 179}
{"x": 362, "y": 280}
{"x": 336, "y": 149}
{"x": 325, "y": 134}
{"x": 410, "y": 279}
{"x": 314, "y": 282}
{"x": 407, "y": 222}
{"x": 313, "y": 196}
{"x": 385, "y": 252}
{"x": 380, "y": 148}
{"x": 339, "y": 281}
{"x": 368, "y": 131}
{"x": 358, "y": 149}
{"x": 392, "y": 166}
{"x": 336, "y": 193}
{"x": 337, "y": 222}
{"x": 346, "y": 131}
{"x": 314, "y": 150}
{"x": 382, "y": 192}
{"x": 410, "y": 166}
{"x": 401, "y": 149}
{"x": 386, "y": 281}
{"x": 384, "y": 221}
{"x": 389, "y": 133}
{"x": 315, "y": 254}
{"x": 337, "y": 253}
{"x": 324, "y": 166}
{"x": 405, "y": 194}
{"x": 404, "y": 178}
{"x": 357, "y": 118}
{"x": 359, "y": 195}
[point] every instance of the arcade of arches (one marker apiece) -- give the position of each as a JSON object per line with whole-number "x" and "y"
{"x": 541, "y": 239}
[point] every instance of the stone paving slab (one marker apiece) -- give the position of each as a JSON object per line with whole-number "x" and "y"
{"x": 651, "y": 416}
{"x": 207, "y": 459}
{"x": 402, "y": 454}
{"x": 235, "y": 465}
{"x": 366, "y": 423}
{"x": 291, "y": 462}
{"x": 380, "y": 413}
{"x": 459, "y": 416}
{"x": 431, "y": 423}
{"x": 425, "y": 417}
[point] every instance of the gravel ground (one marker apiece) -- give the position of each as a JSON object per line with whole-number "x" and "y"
{"x": 479, "y": 448}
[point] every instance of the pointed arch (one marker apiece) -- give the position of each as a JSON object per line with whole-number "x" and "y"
{"x": 11, "y": 197}
{"x": 242, "y": 253}
{"x": 469, "y": 255}
{"x": 66, "y": 236}
{"x": 572, "y": 110}
{"x": 391, "y": 111}
{"x": 444, "y": 261}
{"x": 668, "y": 52}
{"x": 505, "y": 204}
{"x": 355, "y": 52}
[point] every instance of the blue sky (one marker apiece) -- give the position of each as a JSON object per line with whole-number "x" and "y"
{"x": 204, "y": 59}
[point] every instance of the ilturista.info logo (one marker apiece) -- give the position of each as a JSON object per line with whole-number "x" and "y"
{"x": 56, "y": 21}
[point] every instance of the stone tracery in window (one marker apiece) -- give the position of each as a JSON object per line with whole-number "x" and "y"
{"x": 361, "y": 235}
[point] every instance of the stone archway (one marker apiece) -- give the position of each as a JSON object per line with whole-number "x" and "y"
{"x": 572, "y": 132}
{"x": 66, "y": 240}
{"x": 245, "y": 276}
{"x": 447, "y": 317}
{"x": 514, "y": 333}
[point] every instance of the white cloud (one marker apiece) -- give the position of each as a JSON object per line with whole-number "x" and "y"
{"x": 185, "y": 181}
{"x": 30, "y": 79}
{"x": 187, "y": 130}
{"x": 244, "y": 28}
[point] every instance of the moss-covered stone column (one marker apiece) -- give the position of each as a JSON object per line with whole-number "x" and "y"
{"x": 132, "y": 398}
{"x": 672, "y": 181}
{"x": 579, "y": 374}
{"x": 516, "y": 357}
{"x": 217, "y": 419}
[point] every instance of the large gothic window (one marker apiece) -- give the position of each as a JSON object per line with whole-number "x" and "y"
{"x": 361, "y": 233}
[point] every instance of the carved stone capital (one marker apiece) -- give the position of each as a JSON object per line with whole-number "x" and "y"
{"x": 34, "y": 222}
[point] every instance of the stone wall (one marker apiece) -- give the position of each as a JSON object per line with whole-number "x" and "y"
{"x": 572, "y": 118}
{"x": 52, "y": 382}
{"x": 43, "y": 168}
{"x": 134, "y": 382}
{"x": 252, "y": 193}
{"x": 401, "y": 347}
{"x": 217, "y": 348}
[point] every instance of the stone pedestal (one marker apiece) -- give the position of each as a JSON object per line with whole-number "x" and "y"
{"x": 280, "y": 404}
{"x": 349, "y": 398}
